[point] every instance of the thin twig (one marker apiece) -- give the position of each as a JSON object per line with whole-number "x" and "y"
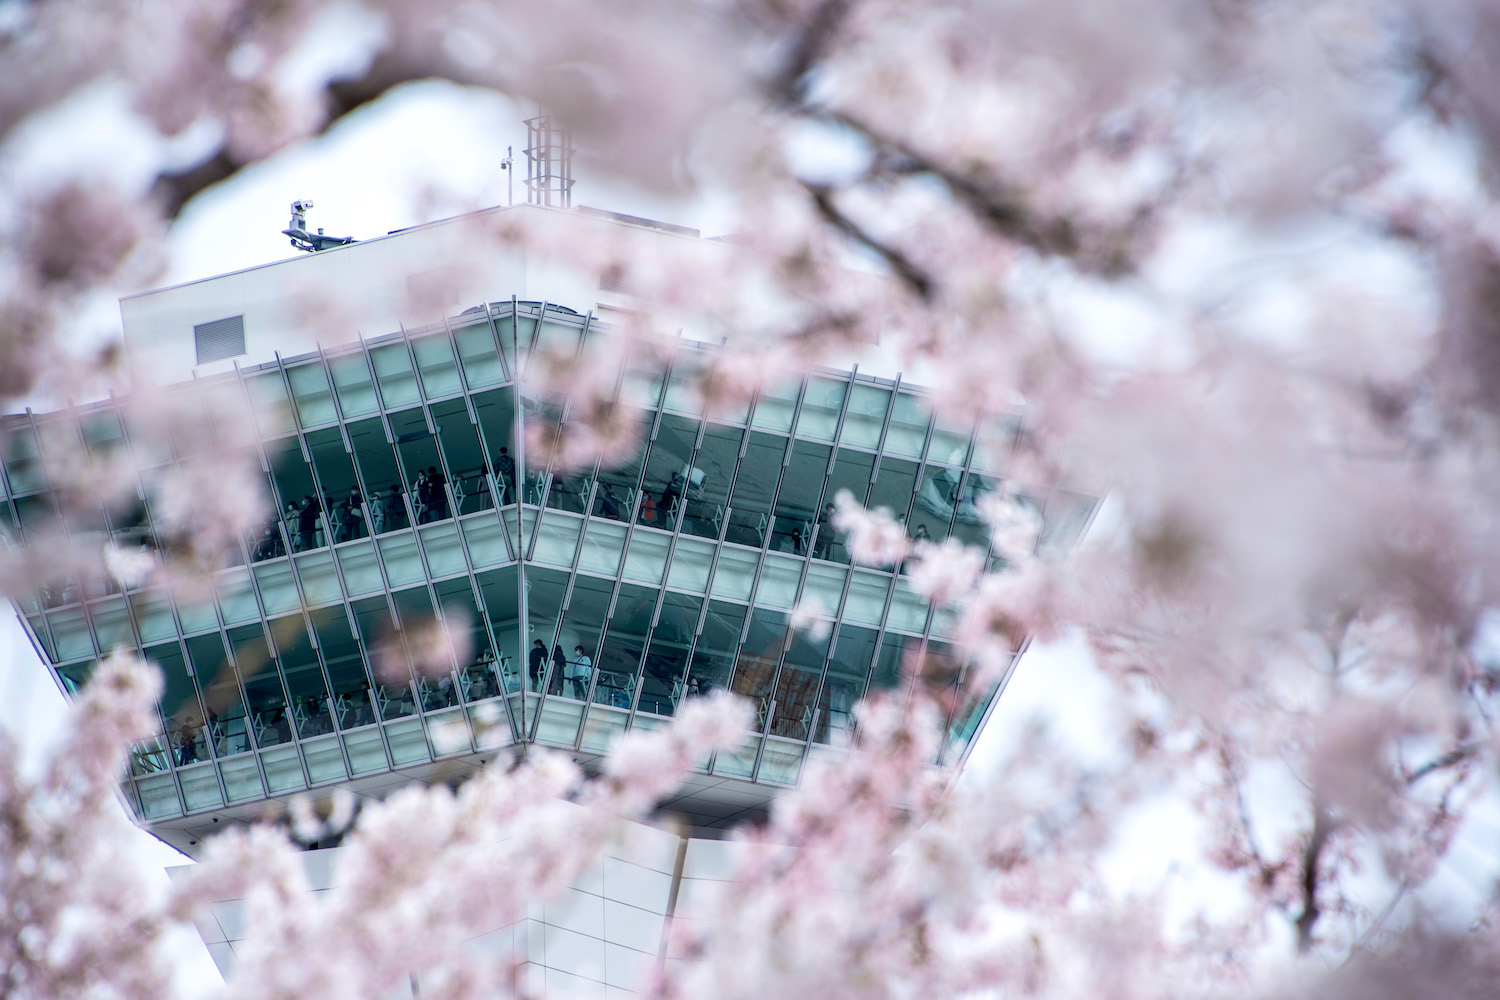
{"x": 910, "y": 274}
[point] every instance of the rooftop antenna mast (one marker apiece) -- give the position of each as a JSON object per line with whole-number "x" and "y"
{"x": 549, "y": 162}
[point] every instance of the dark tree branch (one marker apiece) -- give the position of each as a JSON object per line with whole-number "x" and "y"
{"x": 790, "y": 83}
{"x": 1454, "y": 756}
{"x": 341, "y": 97}
{"x": 1323, "y": 827}
{"x": 1001, "y": 208}
{"x": 911, "y": 275}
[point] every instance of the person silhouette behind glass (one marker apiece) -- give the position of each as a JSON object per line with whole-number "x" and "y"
{"x": 536, "y": 663}
{"x": 505, "y": 468}
{"x": 823, "y": 546}
{"x": 437, "y": 496}
{"x": 307, "y": 523}
{"x": 395, "y": 508}
{"x": 578, "y": 672}
{"x": 559, "y": 666}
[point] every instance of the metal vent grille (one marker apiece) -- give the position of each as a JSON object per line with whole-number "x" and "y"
{"x": 223, "y": 338}
{"x": 612, "y": 280}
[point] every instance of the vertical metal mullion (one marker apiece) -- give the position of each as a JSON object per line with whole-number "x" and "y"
{"x": 506, "y": 375}
{"x": 518, "y": 425}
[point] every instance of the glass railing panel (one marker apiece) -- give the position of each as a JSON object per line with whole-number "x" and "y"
{"x": 735, "y": 574}
{"x": 393, "y": 372}
{"x": 691, "y": 562}
{"x": 908, "y": 609}
{"x": 866, "y": 602}
{"x": 603, "y": 542}
{"x": 278, "y": 590}
{"x": 778, "y": 581}
{"x": 402, "y": 565}
{"x": 486, "y": 541}
{"x": 444, "y": 556}
{"x": 283, "y": 773}
{"x": 153, "y": 615}
{"x": 320, "y": 584}
{"x": 647, "y": 559}
{"x": 557, "y": 540}
{"x": 71, "y": 633}
{"x": 361, "y": 571}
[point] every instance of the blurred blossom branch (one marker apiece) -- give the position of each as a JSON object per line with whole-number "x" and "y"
{"x": 1234, "y": 263}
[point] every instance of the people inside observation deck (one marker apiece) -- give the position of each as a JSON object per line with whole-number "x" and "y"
{"x": 395, "y": 509}
{"x": 437, "y": 495}
{"x": 536, "y": 663}
{"x": 307, "y": 522}
{"x": 505, "y": 468}
{"x": 578, "y": 672}
{"x": 559, "y": 667}
{"x": 351, "y": 517}
{"x": 823, "y": 545}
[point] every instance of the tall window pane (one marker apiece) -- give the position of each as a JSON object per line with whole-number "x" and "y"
{"x": 664, "y": 672}
{"x": 754, "y": 486}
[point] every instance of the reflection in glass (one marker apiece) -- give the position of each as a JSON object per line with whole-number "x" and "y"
{"x": 382, "y": 476}
{"x": 797, "y": 685}
{"x": 495, "y": 411}
{"x": 670, "y": 477}
{"x": 894, "y": 486}
{"x": 498, "y": 592}
{"x": 848, "y": 673}
{"x": 775, "y": 407}
{"x": 756, "y": 667}
{"x": 936, "y": 503}
{"x": 220, "y": 689}
{"x": 707, "y": 489}
{"x": 866, "y": 416}
{"x": 393, "y": 690}
{"x": 544, "y": 597}
{"x": 464, "y": 458}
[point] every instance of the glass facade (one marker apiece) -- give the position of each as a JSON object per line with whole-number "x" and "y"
{"x": 595, "y": 600}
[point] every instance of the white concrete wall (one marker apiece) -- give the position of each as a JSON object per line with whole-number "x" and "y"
{"x": 601, "y": 938}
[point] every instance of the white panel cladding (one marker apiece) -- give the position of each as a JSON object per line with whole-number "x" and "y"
{"x": 601, "y": 937}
